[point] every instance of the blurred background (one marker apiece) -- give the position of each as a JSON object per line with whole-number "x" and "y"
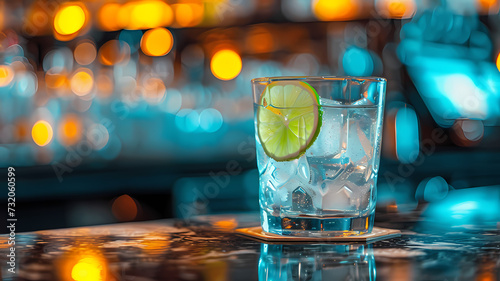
{"x": 116, "y": 111}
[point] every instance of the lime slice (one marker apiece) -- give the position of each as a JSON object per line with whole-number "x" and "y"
{"x": 288, "y": 119}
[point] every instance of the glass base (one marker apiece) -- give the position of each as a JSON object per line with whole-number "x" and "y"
{"x": 309, "y": 226}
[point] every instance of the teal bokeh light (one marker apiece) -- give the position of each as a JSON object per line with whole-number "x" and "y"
{"x": 132, "y": 38}
{"x": 210, "y": 120}
{"x": 357, "y": 62}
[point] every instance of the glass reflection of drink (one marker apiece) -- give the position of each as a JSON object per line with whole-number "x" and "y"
{"x": 316, "y": 262}
{"x": 318, "y": 150}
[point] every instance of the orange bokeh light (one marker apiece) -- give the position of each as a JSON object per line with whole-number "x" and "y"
{"x": 124, "y": 208}
{"x": 396, "y": 9}
{"x": 226, "y": 64}
{"x": 82, "y": 82}
{"x": 70, "y": 130}
{"x": 188, "y": 14}
{"x": 85, "y": 53}
{"x": 21, "y": 130}
{"x": 228, "y": 224}
{"x": 57, "y": 82}
{"x": 107, "y": 17}
{"x": 154, "y": 90}
{"x": 105, "y": 85}
{"x": 113, "y": 52}
{"x": 260, "y": 40}
{"x": 157, "y": 42}
{"x": 488, "y": 6}
{"x": 338, "y": 10}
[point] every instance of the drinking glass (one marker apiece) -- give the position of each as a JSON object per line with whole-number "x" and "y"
{"x": 328, "y": 188}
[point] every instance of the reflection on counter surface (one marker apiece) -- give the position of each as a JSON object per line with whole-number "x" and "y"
{"x": 115, "y": 111}
{"x": 316, "y": 262}
{"x": 124, "y": 111}
{"x": 207, "y": 249}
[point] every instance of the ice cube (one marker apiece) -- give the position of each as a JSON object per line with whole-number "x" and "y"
{"x": 303, "y": 170}
{"x": 335, "y": 176}
{"x": 363, "y": 102}
{"x": 302, "y": 201}
{"x": 316, "y": 174}
{"x": 331, "y": 171}
{"x": 359, "y": 145}
{"x": 262, "y": 159}
{"x": 268, "y": 194}
{"x": 328, "y": 143}
{"x": 339, "y": 198}
{"x": 357, "y": 180}
{"x": 283, "y": 194}
{"x": 283, "y": 171}
{"x": 364, "y": 141}
{"x": 329, "y": 102}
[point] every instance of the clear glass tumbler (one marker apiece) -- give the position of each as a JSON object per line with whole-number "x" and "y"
{"x": 318, "y": 151}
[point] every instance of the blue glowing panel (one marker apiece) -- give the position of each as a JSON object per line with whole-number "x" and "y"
{"x": 407, "y": 135}
{"x": 457, "y": 92}
{"x": 471, "y": 207}
{"x": 448, "y": 59}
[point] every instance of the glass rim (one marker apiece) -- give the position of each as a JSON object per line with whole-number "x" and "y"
{"x": 319, "y": 78}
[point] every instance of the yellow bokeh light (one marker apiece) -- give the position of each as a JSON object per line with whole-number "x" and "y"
{"x": 149, "y": 14}
{"x": 335, "y": 10}
{"x": 88, "y": 269}
{"x": 82, "y": 82}
{"x": 69, "y": 19}
{"x": 226, "y": 64}
{"x": 107, "y": 17}
{"x": 42, "y": 133}
{"x": 6, "y": 75}
{"x": 157, "y": 42}
{"x": 498, "y": 62}
{"x": 70, "y": 130}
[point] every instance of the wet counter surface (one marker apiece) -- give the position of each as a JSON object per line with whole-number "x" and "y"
{"x": 207, "y": 249}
